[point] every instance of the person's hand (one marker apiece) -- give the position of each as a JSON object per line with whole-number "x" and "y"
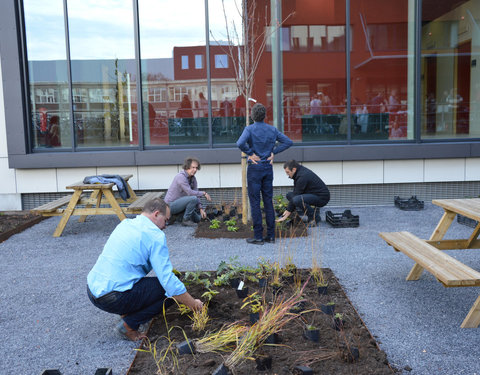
{"x": 197, "y": 305}
{"x": 207, "y": 196}
{"x": 254, "y": 158}
{"x": 203, "y": 214}
{"x": 284, "y": 217}
{"x": 270, "y": 159}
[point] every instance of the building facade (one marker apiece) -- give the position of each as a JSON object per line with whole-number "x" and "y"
{"x": 379, "y": 96}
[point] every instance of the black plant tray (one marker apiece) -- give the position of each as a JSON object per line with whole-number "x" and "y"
{"x": 466, "y": 221}
{"x": 342, "y": 220}
{"x": 410, "y": 204}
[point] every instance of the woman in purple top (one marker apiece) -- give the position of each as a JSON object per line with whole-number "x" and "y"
{"x": 183, "y": 194}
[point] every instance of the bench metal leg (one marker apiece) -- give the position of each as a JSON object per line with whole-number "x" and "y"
{"x": 67, "y": 213}
{"x": 437, "y": 235}
{"x": 473, "y": 317}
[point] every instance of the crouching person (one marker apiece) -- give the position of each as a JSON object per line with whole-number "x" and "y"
{"x": 117, "y": 282}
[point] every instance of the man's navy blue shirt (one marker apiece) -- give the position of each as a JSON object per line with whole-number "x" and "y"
{"x": 262, "y": 140}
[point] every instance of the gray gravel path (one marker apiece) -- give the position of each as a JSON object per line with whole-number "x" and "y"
{"x": 47, "y": 320}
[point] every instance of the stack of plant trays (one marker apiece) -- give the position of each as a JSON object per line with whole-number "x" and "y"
{"x": 410, "y": 204}
{"x": 342, "y": 220}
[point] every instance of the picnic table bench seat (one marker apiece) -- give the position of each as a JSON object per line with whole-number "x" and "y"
{"x": 136, "y": 207}
{"x": 52, "y": 207}
{"x": 448, "y": 270}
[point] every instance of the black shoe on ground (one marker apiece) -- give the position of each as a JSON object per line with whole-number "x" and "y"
{"x": 254, "y": 241}
{"x": 269, "y": 239}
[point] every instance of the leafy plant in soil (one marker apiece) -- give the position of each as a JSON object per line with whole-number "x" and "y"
{"x": 228, "y": 324}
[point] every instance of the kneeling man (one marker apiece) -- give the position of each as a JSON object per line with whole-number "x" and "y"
{"x": 117, "y": 282}
{"x": 308, "y": 190}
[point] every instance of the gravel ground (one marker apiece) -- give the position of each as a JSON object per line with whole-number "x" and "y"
{"x": 48, "y": 321}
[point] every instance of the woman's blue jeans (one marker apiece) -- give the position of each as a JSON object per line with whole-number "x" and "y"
{"x": 139, "y": 304}
{"x": 260, "y": 181}
{"x": 188, "y": 204}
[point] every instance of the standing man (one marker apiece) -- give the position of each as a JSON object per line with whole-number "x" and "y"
{"x": 183, "y": 194}
{"x": 117, "y": 282}
{"x": 259, "y": 142}
{"x": 308, "y": 190}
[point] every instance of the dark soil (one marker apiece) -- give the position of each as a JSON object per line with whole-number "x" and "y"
{"x": 13, "y": 223}
{"x": 293, "y": 350}
{"x": 245, "y": 230}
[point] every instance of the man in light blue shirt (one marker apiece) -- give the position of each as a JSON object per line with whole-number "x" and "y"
{"x": 260, "y": 141}
{"x": 117, "y": 282}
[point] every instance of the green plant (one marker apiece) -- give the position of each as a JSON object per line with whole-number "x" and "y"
{"x": 254, "y": 302}
{"x": 223, "y": 340}
{"x": 208, "y": 295}
{"x": 231, "y": 223}
{"x": 330, "y": 303}
{"x": 215, "y": 224}
{"x": 280, "y": 203}
{"x": 232, "y": 228}
{"x": 196, "y": 277}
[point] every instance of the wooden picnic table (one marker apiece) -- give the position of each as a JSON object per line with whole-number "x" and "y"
{"x": 87, "y": 200}
{"x": 428, "y": 254}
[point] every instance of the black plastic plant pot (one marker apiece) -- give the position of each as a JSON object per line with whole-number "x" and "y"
{"x": 264, "y": 363}
{"x": 322, "y": 290}
{"x": 303, "y": 370}
{"x": 274, "y": 338}
{"x": 328, "y": 309}
{"x": 221, "y": 370}
{"x": 239, "y": 216}
{"x": 298, "y": 308}
{"x": 351, "y": 354}
{"x": 338, "y": 323}
{"x": 103, "y": 371}
{"x": 234, "y": 282}
{"x": 262, "y": 282}
{"x": 186, "y": 347}
{"x": 242, "y": 293}
{"x": 276, "y": 290}
{"x": 254, "y": 317}
{"x": 288, "y": 279}
{"x": 312, "y": 334}
{"x": 51, "y": 372}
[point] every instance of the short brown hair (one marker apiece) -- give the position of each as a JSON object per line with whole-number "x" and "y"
{"x": 155, "y": 204}
{"x": 187, "y": 163}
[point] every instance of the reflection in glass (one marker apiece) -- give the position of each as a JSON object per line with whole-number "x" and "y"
{"x": 47, "y": 74}
{"x": 175, "y": 95}
{"x": 450, "y": 84}
{"x": 314, "y": 78}
{"x": 103, "y": 73}
{"x": 228, "y": 104}
{"x": 380, "y": 70}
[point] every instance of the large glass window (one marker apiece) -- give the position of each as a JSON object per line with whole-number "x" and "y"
{"x": 47, "y": 74}
{"x": 382, "y": 69}
{"x": 170, "y": 40}
{"x": 103, "y": 72}
{"x": 450, "y": 90}
{"x": 313, "y": 99}
{"x": 228, "y": 100}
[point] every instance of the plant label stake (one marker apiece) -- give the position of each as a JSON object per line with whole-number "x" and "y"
{"x": 240, "y": 285}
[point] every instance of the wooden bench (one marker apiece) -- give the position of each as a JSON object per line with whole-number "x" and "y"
{"x": 136, "y": 207}
{"x": 449, "y": 271}
{"x": 52, "y": 208}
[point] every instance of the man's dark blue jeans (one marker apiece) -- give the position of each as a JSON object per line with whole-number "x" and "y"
{"x": 304, "y": 203}
{"x": 260, "y": 181}
{"x": 139, "y": 304}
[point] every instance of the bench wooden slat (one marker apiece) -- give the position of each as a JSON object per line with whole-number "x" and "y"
{"x": 53, "y": 205}
{"x": 137, "y": 206}
{"x": 446, "y": 269}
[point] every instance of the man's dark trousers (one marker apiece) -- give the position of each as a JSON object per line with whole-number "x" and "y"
{"x": 260, "y": 180}
{"x": 140, "y": 304}
{"x": 304, "y": 203}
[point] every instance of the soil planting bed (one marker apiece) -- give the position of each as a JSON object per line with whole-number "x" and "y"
{"x": 333, "y": 353}
{"x": 245, "y": 231}
{"x": 13, "y": 223}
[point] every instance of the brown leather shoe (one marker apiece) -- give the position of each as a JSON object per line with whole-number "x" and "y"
{"x": 127, "y": 333}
